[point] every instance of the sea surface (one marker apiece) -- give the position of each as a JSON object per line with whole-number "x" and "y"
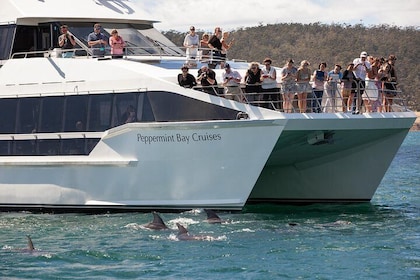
{"x": 376, "y": 240}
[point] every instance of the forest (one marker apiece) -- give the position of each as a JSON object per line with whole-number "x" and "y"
{"x": 333, "y": 44}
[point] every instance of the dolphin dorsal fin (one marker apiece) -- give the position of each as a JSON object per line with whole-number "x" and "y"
{"x": 157, "y": 219}
{"x": 211, "y": 214}
{"x": 182, "y": 230}
{"x": 30, "y": 243}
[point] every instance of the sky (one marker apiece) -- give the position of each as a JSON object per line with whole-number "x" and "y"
{"x": 179, "y": 15}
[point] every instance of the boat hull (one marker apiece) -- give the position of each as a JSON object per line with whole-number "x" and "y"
{"x": 330, "y": 160}
{"x": 146, "y": 166}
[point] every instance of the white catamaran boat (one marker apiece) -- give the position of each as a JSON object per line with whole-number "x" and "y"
{"x": 66, "y": 144}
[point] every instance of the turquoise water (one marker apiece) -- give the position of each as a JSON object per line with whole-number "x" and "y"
{"x": 377, "y": 240}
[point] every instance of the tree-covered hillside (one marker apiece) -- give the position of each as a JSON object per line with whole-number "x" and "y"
{"x": 332, "y": 44}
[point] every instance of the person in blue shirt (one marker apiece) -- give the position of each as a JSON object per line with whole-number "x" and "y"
{"x": 97, "y": 41}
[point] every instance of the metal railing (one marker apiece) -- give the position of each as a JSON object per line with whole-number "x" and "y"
{"x": 203, "y": 55}
{"x": 332, "y": 101}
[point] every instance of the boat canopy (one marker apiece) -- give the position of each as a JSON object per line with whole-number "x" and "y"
{"x": 33, "y": 12}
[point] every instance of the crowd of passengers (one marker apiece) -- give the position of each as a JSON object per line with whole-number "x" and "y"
{"x": 367, "y": 81}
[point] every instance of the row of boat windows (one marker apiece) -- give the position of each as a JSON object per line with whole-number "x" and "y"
{"x": 47, "y": 147}
{"x": 140, "y": 39}
{"x": 99, "y": 112}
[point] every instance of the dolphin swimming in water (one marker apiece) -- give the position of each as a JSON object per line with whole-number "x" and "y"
{"x": 212, "y": 217}
{"x": 157, "y": 223}
{"x": 183, "y": 234}
{"x": 30, "y": 244}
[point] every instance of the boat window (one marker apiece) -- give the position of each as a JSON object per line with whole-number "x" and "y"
{"x": 6, "y": 39}
{"x": 136, "y": 43}
{"x": 28, "y": 115}
{"x": 76, "y": 113}
{"x": 24, "y": 147}
{"x": 8, "y": 109}
{"x": 6, "y": 147}
{"x": 140, "y": 39}
{"x": 144, "y": 110}
{"x": 168, "y": 106}
{"x": 51, "y": 119}
{"x": 99, "y": 116}
{"x": 26, "y": 40}
{"x": 48, "y": 147}
{"x": 125, "y": 109}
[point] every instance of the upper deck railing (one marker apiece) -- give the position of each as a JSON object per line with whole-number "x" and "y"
{"x": 330, "y": 101}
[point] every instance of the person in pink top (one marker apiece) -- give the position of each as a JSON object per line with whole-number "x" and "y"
{"x": 117, "y": 44}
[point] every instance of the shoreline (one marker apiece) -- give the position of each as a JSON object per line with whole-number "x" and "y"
{"x": 416, "y": 125}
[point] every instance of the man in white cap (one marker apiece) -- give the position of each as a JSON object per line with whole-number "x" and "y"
{"x": 361, "y": 67}
{"x": 231, "y": 82}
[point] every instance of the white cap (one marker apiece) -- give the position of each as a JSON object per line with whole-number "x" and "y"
{"x": 363, "y": 54}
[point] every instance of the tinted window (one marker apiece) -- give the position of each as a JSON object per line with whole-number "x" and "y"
{"x": 8, "y": 109}
{"x": 173, "y": 107}
{"x": 28, "y": 115}
{"x": 76, "y": 113}
{"x": 125, "y": 108}
{"x": 99, "y": 117}
{"x": 51, "y": 114}
{"x": 6, "y": 37}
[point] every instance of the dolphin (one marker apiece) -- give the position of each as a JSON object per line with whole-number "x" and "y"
{"x": 30, "y": 244}
{"x": 183, "y": 234}
{"x": 212, "y": 217}
{"x": 157, "y": 223}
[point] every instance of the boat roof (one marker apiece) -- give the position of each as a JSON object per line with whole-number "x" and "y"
{"x": 31, "y": 12}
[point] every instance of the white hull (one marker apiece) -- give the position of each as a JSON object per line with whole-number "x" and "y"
{"x": 346, "y": 168}
{"x": 99, "y": 134}
{"x": 125, "y": 171}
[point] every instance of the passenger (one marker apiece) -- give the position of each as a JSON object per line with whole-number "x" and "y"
{"x": 391, "y": 84}
{"x": 117, "y": 44}
{"x": 388, "y": 88}
{"x": 318, "y": 78}
{"x": 361, "y": 67}
{"x": 303, "y": 76}
{"x": 207, "y": 79}
{"x": 97, "y": 41}
{"x": 204, "y": 47}
{"x": 66, "y": 42}
{"x": 347, "y": 92}
{"x": 371, "y": 94}
{"x": 269, "y": 84}
{"x": 185, "y": 79}
{"x": 231, "y": 82}
{"x": 332, "y": 91}
{"x": 253, "y": 83}
{"x": 288, "y": 85}
{"x": 216, "y": 46}
{"x": 225, "y": 47}
{"x": 191, "y": 42}
{"x": 79, "y": 126}
{"x": 129, "y": 115}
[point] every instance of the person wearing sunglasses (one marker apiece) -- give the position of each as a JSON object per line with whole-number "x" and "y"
{"x": 97, "y": 41}
{"x": 66, "y": 42}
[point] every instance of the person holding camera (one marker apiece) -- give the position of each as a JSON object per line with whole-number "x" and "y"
{"x": 207, "y": 79}
{"x": 231, "y": 82}
{"x": 66, "y": 42}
